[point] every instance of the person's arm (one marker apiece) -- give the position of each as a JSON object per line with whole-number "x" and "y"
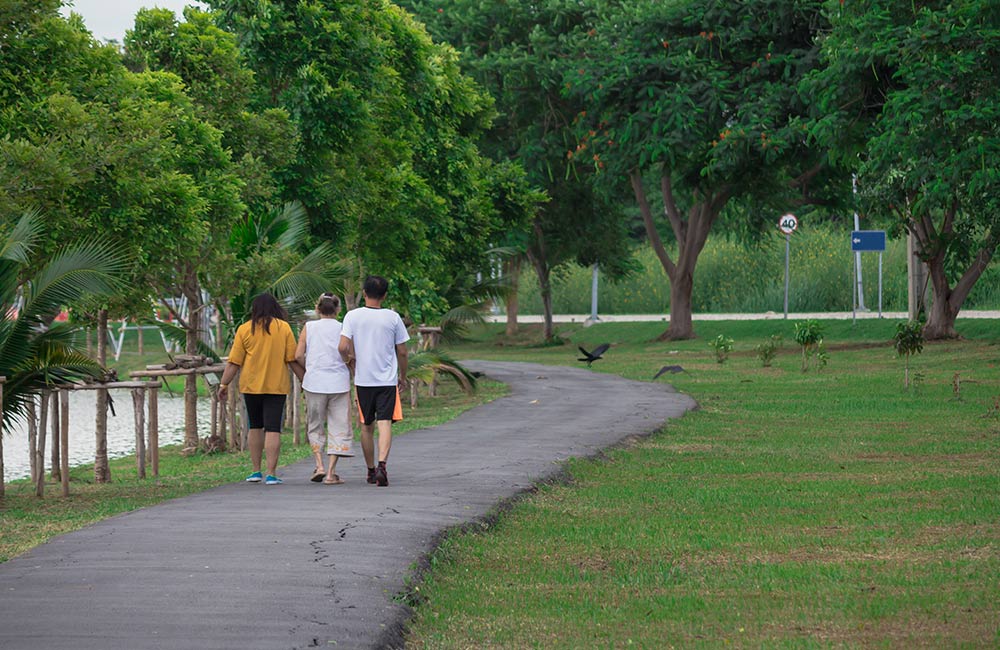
{"x": 227, "y": 377}
{"x": 346, "y": 349}
{"x": 402, "y": 360}
{"x": 300, "y": 349}
{"x": 298, "y": 369}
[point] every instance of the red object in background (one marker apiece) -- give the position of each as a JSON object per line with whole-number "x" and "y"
{"x": 62, "y": 317}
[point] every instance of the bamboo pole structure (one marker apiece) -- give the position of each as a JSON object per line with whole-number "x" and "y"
{"x": 154, "y": 429}
{"x": 54, "y": 459}
{"x": 64, "y": 441}
{"x": 3, "y": 488}
{"x": 296, "y": 418}
{"x": 43, "y": 422}
{"x": 139, "y": 412}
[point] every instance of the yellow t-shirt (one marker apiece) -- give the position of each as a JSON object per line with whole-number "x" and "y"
{"x": 263, "y": 358}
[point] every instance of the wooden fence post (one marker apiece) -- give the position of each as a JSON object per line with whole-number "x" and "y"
{"x": 56, "y": 473}
{"x": 3, "y": 487}
{"x": 43, "y": 414}
{"x": 139, "y": 411}
{"x": 154, "y": 431}
{"x": 64, "y": 441}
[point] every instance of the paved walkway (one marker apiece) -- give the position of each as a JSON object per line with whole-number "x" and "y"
{"x": 306, "y": 565}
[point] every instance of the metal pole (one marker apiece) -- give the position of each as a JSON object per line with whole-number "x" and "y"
{"x": 593, "y": 294}
{"x": 857, "y": 255}
{"x": 854, "y": 296}
{"x": 788, "y": 239}
{"x": 880, "y": 284}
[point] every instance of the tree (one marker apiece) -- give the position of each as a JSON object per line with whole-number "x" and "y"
{"x": 34, "y": 354}
{"x": 388, "y": 169}
{"x": 698, "y": 98}
{"x": 513, "y": 49}
{"x": 908, "y": 98}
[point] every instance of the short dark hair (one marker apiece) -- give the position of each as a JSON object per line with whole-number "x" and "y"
{"x": 263, "y": 310}
{"x": 328, "y": 304}
{"x": 376, "y": 287}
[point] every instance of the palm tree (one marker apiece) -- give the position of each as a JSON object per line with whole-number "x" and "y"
{"x": 297, "y": 287}
{"x": 35, "y": 353}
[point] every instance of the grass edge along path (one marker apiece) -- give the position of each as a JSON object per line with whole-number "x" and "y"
{"x": 817, "y": 509}
{"x": 27, "y": 521}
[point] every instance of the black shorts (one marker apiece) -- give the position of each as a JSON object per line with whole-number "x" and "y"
{"x": 264, "y": 411}
{"x": 379, "y": 403}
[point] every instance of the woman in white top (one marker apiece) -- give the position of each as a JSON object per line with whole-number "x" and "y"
{"x": 327, "y": 384}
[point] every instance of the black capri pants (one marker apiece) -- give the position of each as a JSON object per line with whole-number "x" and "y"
{"x": 264, "y": 411}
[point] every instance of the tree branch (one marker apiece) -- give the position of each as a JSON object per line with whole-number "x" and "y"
{"x": 647, "y": 220}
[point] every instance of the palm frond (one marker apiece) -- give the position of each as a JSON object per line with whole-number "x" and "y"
{"x": 17, "y": 245}
{"x": 425, "y": 363}
{"x": 178, "y": 335}
{"x": 89, "y": 267}
{"x": 316, "y": 273}
{"x": 296, "y": 225}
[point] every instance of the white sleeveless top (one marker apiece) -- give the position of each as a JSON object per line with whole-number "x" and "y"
{"x": 326, "y": 371}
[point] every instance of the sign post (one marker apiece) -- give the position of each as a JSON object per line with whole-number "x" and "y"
{"x": 787, "y": 224}
{"x": 863, "y": 241}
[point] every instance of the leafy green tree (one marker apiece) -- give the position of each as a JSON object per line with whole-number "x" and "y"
{"x": 388, "y": 169}
{"x": 698, "y": 99}
{"x": 908, "y": 340}
{"x": 908, "y": 97}
{"x": 514, "y": 49}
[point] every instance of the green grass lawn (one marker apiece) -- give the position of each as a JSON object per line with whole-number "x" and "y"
{"x": 26, "y": 520}
{"x": 830, "y": 508}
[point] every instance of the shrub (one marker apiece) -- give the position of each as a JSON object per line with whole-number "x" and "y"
{"x": 722, "y": 345}
{"x": 767, "y": 350}
{"x": 809, "y": 335}
{"x": 908, "y": 340}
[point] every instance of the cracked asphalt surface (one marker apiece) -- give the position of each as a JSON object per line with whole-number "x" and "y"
{"x": 307, "y": 565}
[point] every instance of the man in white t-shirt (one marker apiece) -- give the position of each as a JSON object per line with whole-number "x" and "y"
{"x": 375, "y": 339}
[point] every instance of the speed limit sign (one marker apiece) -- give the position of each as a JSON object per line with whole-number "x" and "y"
{"x": 788, "y": 223}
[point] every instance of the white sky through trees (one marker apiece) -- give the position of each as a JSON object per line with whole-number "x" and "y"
{"x": 108, "y": 19}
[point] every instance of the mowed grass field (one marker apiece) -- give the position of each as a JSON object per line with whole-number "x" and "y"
{"x": 828, "y": 508}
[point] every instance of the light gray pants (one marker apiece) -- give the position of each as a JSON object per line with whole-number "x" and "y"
{"x": 333, "y": 410}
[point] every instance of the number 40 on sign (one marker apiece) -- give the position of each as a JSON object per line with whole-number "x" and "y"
{"x": 788, "y": 223}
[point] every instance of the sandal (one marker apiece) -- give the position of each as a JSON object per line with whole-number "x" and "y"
{"x": 317, "y": 476}
{"x": 332, "y": 480}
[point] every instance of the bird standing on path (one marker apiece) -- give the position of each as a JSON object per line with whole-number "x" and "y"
{"x": 591, "y": 357}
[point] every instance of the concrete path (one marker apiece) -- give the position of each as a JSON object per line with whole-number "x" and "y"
{"x": 770, "y": 315}
{"x": 306, "y": 565}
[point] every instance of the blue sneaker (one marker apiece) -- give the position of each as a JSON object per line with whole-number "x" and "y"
{"x": 272, "y": 480}
{"x": 256, "y": 477}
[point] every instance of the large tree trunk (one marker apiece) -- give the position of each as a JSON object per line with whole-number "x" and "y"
{"x": 102, "y": 469}
{"x": 691, "y": 235}
{"x": 513, "y": 272}
{"x": 946, "y": 301}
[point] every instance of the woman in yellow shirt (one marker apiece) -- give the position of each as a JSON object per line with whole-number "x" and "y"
{"x": 263, "y": 349}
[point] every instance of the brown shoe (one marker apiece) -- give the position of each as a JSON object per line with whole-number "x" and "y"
{"x": 381, "y": 476}
{"x": 371, "y": 475}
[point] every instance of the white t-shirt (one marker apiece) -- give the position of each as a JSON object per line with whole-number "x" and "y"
{"x": 376, "y": 333}
{"x": 326, "y": 371}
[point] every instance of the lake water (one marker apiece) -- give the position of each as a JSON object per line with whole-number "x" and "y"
{"x": 121, "y": 430}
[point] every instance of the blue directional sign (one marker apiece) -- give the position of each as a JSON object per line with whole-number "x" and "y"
{"x": 868, "y": 240}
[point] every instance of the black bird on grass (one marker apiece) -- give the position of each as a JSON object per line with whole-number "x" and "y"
{"x": 591, "y": 357}
{"x": 671, "y": 369}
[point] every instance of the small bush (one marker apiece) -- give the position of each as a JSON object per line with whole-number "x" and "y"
{"x": 767, "y": 350}
{"x": 722, "y": 345}
{"x": 809, "y": 335}
{"x": 908, "y": 340}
